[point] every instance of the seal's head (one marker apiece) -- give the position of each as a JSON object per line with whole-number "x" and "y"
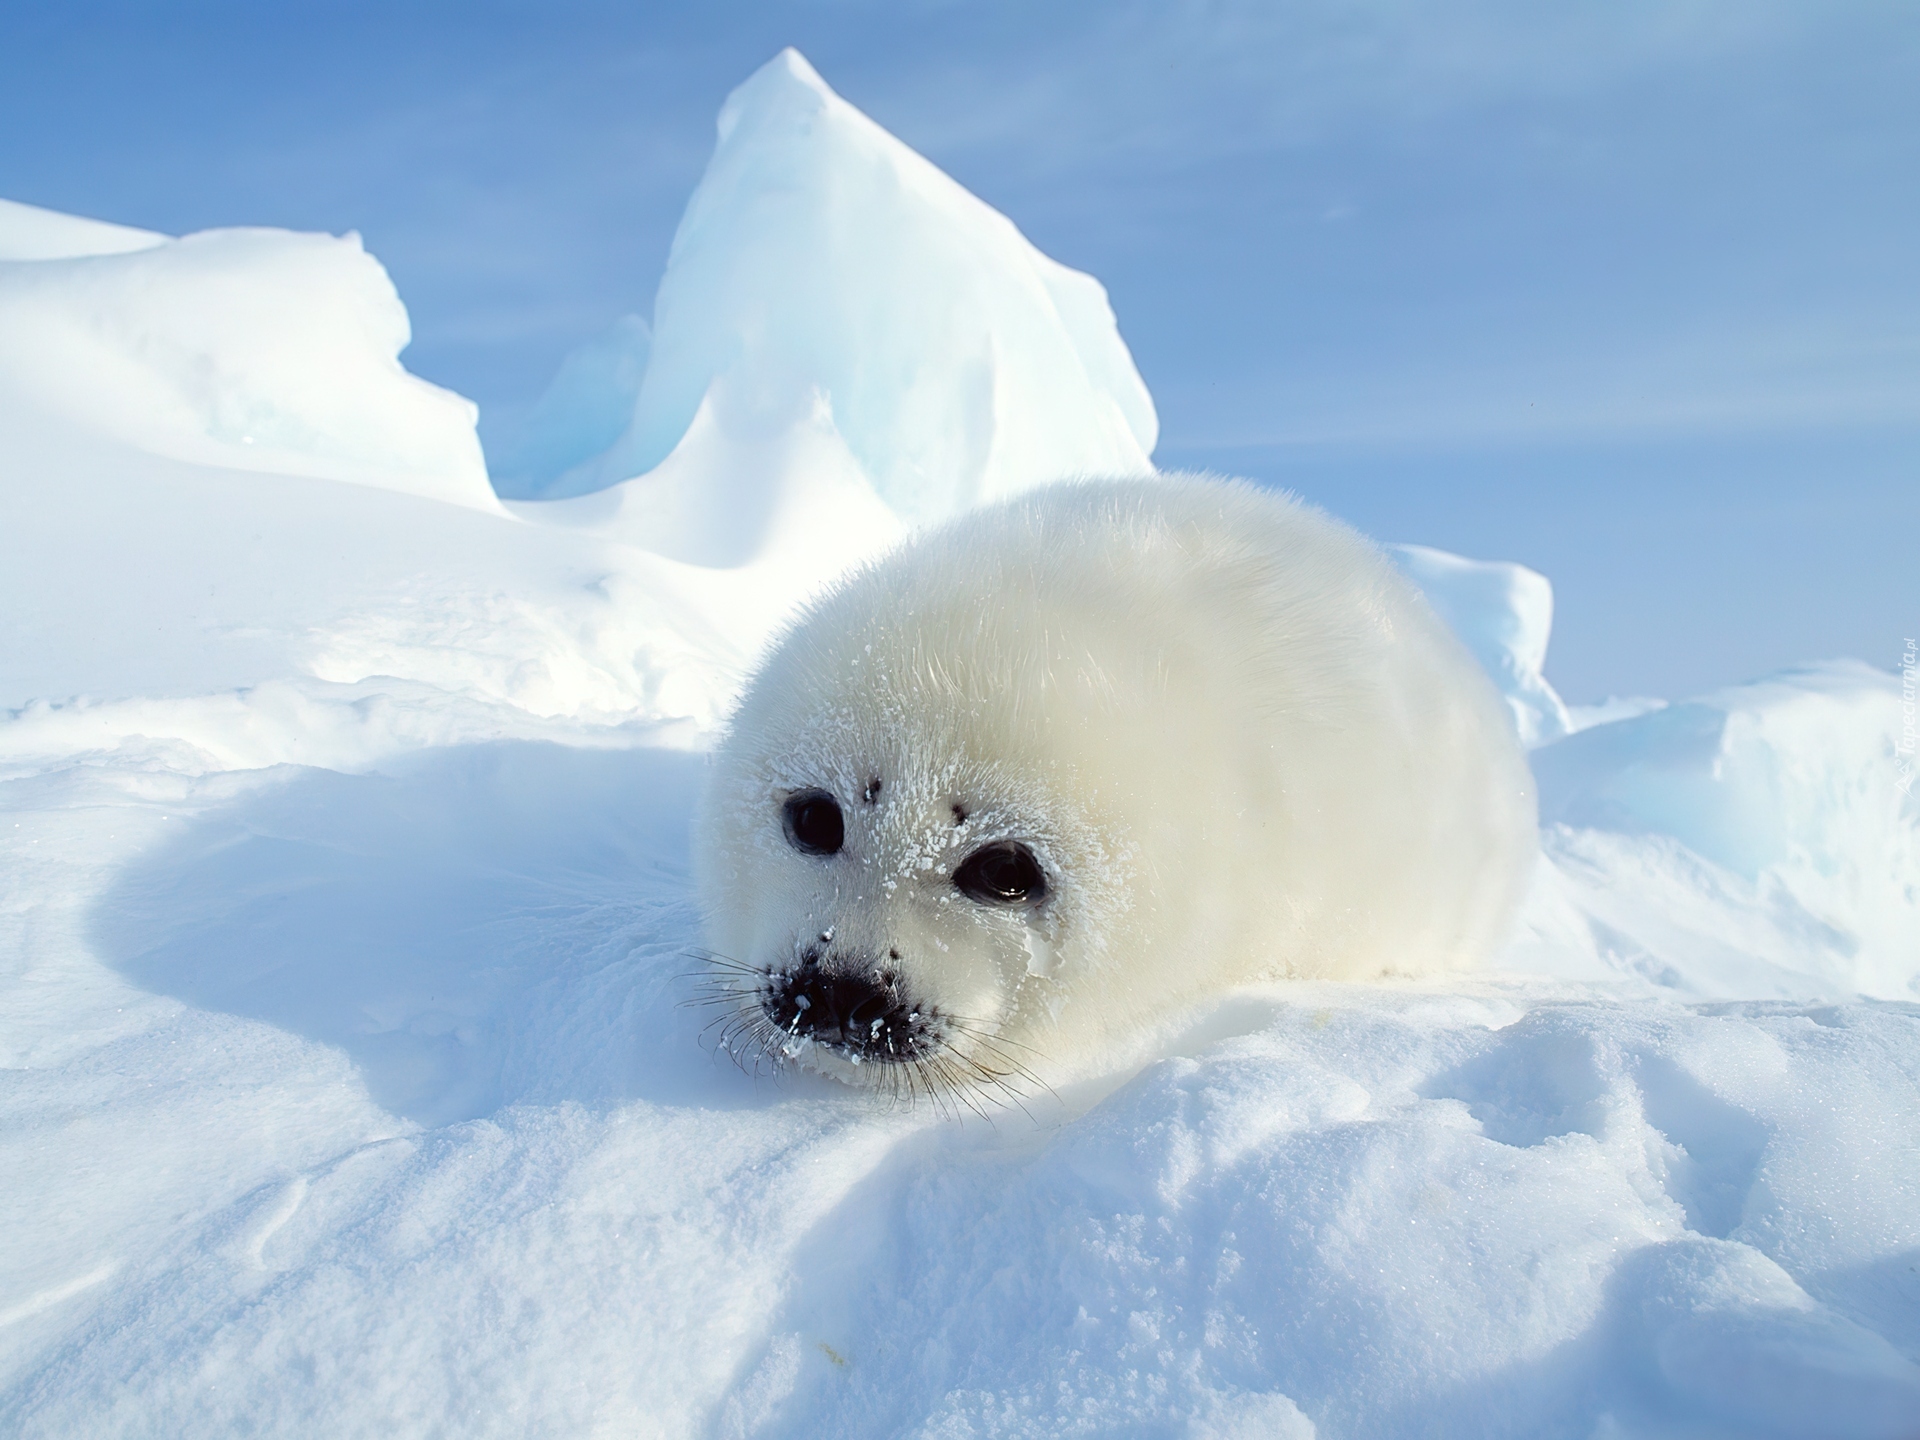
{"x": 892, "y": 874}
{"x": 1063, "y": 765}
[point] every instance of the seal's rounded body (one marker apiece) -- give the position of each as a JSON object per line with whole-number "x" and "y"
{"x": 1057, "y": 768}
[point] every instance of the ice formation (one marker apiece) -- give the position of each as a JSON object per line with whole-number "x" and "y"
{"x": 259, "y": 349}
{"x": 584, "y": 409}
{"x": 819, "y": 254}
{"x": 1504, "y": 613}
{"x": 344, "y": 1087}
{"x": 1704, "y": 838}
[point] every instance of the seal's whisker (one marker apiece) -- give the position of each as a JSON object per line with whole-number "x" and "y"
{"x": 913, "y": 1078}
{"x": 715, "y": 997}
{"x": 962, "y": 1092}
{"x": 707, "y": 966}
{"x": 938, "y": 1093}
{"x": 731, "y": 1031}
{"x": 916, "y": 1082}
{"x": 925, "y": 1077}
{"x": 732, "y": 1024}
{"x": 968, "y": 1095}
{"x": 979, "y": 1029}
{"x": 918, "y": 1065}
{"x": 970, "y": 1069}
{"x": 994, "y": 1044}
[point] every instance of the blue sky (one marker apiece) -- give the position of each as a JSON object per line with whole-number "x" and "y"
{"x": 1625, "y": 291}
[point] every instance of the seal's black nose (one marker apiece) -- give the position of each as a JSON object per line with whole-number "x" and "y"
{"x": 861, "y": 1013}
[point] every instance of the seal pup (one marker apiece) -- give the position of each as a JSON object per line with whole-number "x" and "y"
{"x": 1055, "y": 769}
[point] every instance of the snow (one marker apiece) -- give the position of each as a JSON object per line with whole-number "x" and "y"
{"x": 253, "y": 348}
{"x": 1504, "y": 613}
{"x": 344, "y": 1087}
{"x": 29, "y": 233}
{"x": 1707, "y": 838}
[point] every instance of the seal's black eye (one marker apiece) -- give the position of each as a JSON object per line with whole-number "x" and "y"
{"x": 813, "y": 823}
{"x": 1003, "y": 874}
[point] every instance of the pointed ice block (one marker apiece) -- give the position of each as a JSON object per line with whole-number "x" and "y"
{"x": 820, "y": 254}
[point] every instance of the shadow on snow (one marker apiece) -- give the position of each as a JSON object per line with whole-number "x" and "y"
{"x": 476, "y": 927}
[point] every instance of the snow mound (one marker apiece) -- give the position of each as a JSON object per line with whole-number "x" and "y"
{"x": 1504, "y": 614}
{"x": 29, "y": 233}
{"x": 778, "y": 491}
{"x": 1756, "y": 841}
{"x": 819, "y": 254}
{"x": 259, "y": 349}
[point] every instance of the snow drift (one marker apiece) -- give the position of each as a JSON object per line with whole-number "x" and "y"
{"x": 344, "y": 1087}
{"x": 259, "y": 349}
{"x": 1756, "y": 841}
{"x": 1504, "y": 613}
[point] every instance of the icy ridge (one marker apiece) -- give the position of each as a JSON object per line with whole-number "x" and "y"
{"x": 820, "y": 256}
{"x": 28, "y": 232}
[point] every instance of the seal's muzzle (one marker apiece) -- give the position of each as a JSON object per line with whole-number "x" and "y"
{"x": 858, "y": 1011}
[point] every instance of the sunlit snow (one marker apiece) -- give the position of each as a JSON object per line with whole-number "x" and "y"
{"x": 347, "y": 1090}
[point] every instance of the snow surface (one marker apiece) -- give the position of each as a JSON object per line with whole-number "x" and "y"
{"x": 346, "y": 1090}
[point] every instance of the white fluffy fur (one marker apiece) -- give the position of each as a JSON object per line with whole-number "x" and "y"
{"x": 1238, "y": 741}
